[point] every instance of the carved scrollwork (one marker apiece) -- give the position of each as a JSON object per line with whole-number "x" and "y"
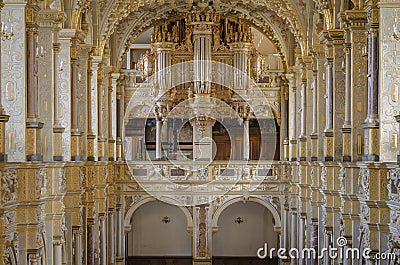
{"x": 364, "y": 182}
{"x": 323, "y": 177}
{"x": 394, "y": 184}
{"x": 8, "y": 186}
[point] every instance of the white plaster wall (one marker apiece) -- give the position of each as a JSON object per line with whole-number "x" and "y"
{"x": 233, "y": 239}
{"x": 389, "y": 83}
{"x": 151, "y": 237}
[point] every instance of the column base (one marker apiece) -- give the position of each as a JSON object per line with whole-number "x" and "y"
{"x": 346, "y": 158}
{"x": 90, "y": 142}
{"x": 3, "y": 157}
{"x": 302, "y": 148}
{"x": 293, "y": 150}
{"x": 111, "y": 145}
{"x": 76, "y": 158}
{"x": 327, "y": 159}
{"x": 285, "y": 150}
{"x": 202, "y": 262}
{"x": 314, "y": 147}
{"x": 3, "y": 119}
{"x": 101, "y": 149}
{"x": 58, "y": 130}
{"x": 34, "y": 158}
{"x": 75, "y": 146}
{"x": 329, "y": 148}
{"x": 58, "y": 158}
{"x": 33, "y": 141}
{"x": 370, "y": 158}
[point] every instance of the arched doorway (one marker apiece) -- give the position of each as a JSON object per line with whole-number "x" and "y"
{"x": 159, "y": 235}
{"x": 243, "y": 228}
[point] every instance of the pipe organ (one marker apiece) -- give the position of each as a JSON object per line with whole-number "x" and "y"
{"x": 224, "y": 66}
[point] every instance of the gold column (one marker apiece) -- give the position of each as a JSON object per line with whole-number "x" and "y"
{"x": 315, "y": 116}
{"x": 371, "y": 124}
{"x": 101, "y": 142}
{"x": 292, "y": 117}
{"x": 112, "y": 117}
{"x": 75, "y": 133}
{"x": 329, "y": 140}
{"x": 302, "y": 139}
{"x": 90, "y": 136}
{"x": 397, "y": 117}
{"x": 120, "y": 122}
{"x": 58, "y": 129}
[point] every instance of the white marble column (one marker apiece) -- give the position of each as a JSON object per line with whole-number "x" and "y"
{"x": 301, "y": 237}
{"x": 94, "y": 109}
{"x": 292, "y": 117}
{"x": 77, "y": 247}
{"x": 347, "y": 127}
{"x": 111, "y": 238}
{"x": 302, "y": 140}
{"x": 33, "y": 125}
{"x": 284, "y": 123}
{"x": 103, "y": 240}
{"x": 64, "y": 82}
{"x": 159, "y": 125}
{"x": 371, "y": 124}
{"x": 246, "y": 139}
{"x": 294, "y": 234}
{"x": 315, "y": 116}
{"x": 57, "y": 252}
{"x": 112, "y": 118}
{"x": 328, "y": 132}
{"x": 119, "y": 232}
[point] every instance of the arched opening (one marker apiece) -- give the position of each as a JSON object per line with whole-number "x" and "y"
{"x": 243, "y": 228}
{"x": 158, "y": 235}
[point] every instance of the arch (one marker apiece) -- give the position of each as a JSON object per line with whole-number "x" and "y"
{"x": 136, "y": 24}
{"x": 266, "y": 204}
{"x": 135, "y": 206}
{"x": 286, "y": 10}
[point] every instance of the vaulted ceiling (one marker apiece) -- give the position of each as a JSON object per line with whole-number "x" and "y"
{"x": 127, "y": 19}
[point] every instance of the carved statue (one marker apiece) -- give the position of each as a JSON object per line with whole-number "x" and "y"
{"x": 202, "y": 240}
{"x": 175, "y": 36}
{"x": 217, "y": 36}
{"x": 188, "y": 37}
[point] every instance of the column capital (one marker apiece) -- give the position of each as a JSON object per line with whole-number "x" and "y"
{"x": 50, "y": 18}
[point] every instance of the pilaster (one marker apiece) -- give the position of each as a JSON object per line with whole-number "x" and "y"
{"x": 13, "y": 81}
{"x": 356, "y": 81}
{"x": 47, "y": 49}
{"x": 389, "y": 84}
{"x": 202, "y": 235}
